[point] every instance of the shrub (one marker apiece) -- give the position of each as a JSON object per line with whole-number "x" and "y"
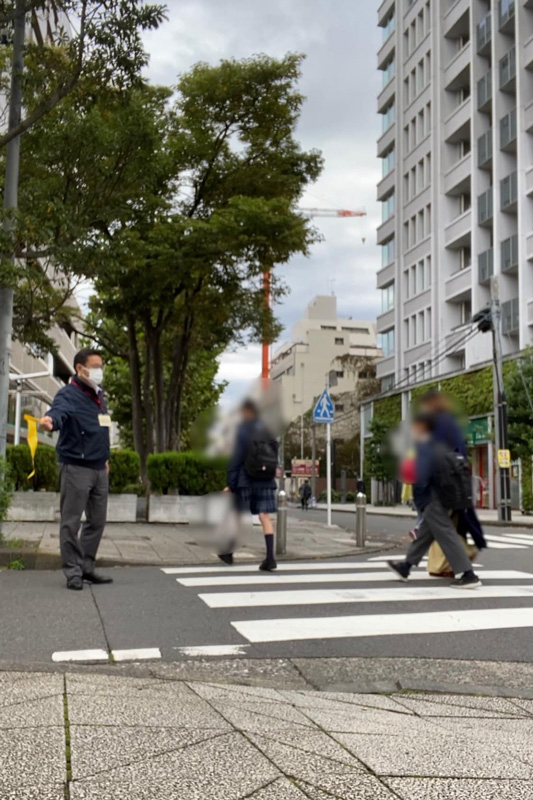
{"x": 124, "y": 471}
{"x": 335, "y": 496}
{"x": 350, "y": 497}
{"x": 6, "y": 488}
{"x": 46, "y": 476}
{"x": 186, "y": 473}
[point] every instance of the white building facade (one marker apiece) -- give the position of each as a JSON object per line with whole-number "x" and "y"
{"x": 457, "y": 186}
{"x": 322, "y": 342}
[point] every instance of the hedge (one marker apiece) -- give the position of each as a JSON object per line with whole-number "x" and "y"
{"x": 124, "y": 472}
{"x": 186, "y": 473}
{"x": 46, "y": 476}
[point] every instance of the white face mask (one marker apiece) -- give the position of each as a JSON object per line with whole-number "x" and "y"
{"x": 95, "y": 377}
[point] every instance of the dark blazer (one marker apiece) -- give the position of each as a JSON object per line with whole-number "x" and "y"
{"x": 83, "y": 441}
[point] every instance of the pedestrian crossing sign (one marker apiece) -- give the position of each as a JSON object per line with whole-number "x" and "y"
{"x": 324, "y": 409}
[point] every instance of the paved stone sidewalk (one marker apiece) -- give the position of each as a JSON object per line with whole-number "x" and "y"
{"x": 159, "y": 544}
{"x": 486, "y": 515}
{"x": 101, "y": 737}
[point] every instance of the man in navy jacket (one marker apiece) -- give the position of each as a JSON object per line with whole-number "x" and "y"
{"x": 79, "y": 413}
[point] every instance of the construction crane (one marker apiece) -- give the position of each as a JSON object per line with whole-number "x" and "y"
{"x": 339, "y": 213}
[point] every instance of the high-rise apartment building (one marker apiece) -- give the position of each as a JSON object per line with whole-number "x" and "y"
{"x": 457, "y": 186}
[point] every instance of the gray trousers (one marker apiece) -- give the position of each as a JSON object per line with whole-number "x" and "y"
{"x": 82, "y": 490}
{"x": 437, "y": 525}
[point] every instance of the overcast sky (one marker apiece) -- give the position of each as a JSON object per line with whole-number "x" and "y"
{"x": 341, "y": 83}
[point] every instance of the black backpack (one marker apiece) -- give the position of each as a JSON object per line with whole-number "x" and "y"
{"x": 261, "y": 460}
{"x": 453, "y": 481}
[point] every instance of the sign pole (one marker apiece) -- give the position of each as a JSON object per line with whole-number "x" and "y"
{"x": 328, "y": 426}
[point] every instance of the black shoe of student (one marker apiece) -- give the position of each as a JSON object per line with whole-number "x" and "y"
{"x": 466, "y": 582}
{"x": 227, "y": 558}
{"x": 400, "y": 569}
{"x": 268, "y": 565}
{"x": 76, "y": 584}
{"x": 94, "y": 577}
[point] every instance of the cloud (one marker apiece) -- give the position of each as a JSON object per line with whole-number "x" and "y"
{"x": 341, "y": 84}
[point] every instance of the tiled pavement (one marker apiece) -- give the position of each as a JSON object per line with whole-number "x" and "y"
{"x": 85, "y": 736}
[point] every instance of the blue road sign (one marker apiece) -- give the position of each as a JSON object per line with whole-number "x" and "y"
{"x": 324, "y": 409}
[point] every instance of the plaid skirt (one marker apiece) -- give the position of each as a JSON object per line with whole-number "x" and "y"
{"x": 257, "y": 498}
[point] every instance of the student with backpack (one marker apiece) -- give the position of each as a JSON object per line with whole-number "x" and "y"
{"x": 251, "y": 477}
{"x": 443, "y": 484}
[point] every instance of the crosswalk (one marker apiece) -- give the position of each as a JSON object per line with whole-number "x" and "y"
{"x": 299, "y": 602}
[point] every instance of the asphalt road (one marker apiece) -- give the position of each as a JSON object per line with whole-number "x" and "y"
{"x": 351, "y": 607}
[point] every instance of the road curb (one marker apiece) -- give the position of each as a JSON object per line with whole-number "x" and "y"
{"x": 515, "y": 523}
{"x": 35, "y": 560}
{"x": 260, "y": 672}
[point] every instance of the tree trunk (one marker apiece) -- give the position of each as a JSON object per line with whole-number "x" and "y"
{"x": 153, "y": 338}
{"x": 136, "y": 395}
{"x": 180, "y": 360}
{"x": 148, "y": 402}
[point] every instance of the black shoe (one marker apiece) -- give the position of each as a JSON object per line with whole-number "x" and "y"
{"x": 227, "y": 558}
{"x": 466, "y": 582}
{"x": 268, "y": 565}
{"x": 76, "y": 584}
{"x": 400, "y": 569}
{"x": 94, "y": 577}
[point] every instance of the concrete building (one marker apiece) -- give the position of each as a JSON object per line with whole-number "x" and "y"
{"x": 322, "y": 342}
{"x": 457, "y": 187}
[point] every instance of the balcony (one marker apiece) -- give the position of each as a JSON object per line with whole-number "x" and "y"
{"x": 455, "y": 341}
{"x": 485, "y": 266}
{"x": 385, "y": 367}
{"x": 484, "y": 35}
{"x": 530, "y": 312}
{"x": 508, "y": 132}
{"x": 386, "y": 96}
{"x": 484, "y": 92}
{"x": 386, "y": 50}
{"x": 528, "y": 117}
{"x": 484, "y": 150}
{"x": 385, "y": 321}
{"x": 387, "y": 229}
{"x": 386, "y": 140}
{"x": 458, "y": 120}
{"x": 510, "y": 317}
{"x": 529, "y": 247}
{"x": 459, "y": 285}
{"x": 386, "y": 275}
{"x": 384, "y": 11}
{"x": 529, "y": 181}
{"x": 509, "y": 255}
{"x": 507, "y": 15}
{"x": 458, "y": 174}
{"x": 508, "y": 72}
{"x": 453, "y": 73}
{"x": 509, "y": 193}
{"x": 527, "y": 54}
{"x": 386, "y": 185}
{"x": 458, "y": 233}
{"x": 485, "y": 209}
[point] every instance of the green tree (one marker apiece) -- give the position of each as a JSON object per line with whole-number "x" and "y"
{"x": 381, "y": 464}
{"x": 188, "y": 274}
{"x": 519, "y": 390}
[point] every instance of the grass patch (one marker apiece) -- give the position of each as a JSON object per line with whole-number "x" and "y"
{"x": 16, "y": 564}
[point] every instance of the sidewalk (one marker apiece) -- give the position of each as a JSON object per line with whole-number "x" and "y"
{"x": 88, "y": 736}
{"x": 140, "y": 543}
{"x": 488, "y": 516}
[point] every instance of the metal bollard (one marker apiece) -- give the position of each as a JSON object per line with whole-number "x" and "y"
{"x": 360, "y": 520}
{"x": 281, "y": 524}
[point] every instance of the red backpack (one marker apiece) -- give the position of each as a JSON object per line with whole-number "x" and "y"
{"x": 408, "y": 470}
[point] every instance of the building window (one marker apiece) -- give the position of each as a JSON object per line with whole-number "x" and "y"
{"x": 387, "y": 298}
{"x": 389, "y": 117}
{"x": 388, "y": 207}
{"x": 389, "y": 27}
{"x": 388, "y": 252}
{"x": 340, "y": 373}
{"x": 389, "y": 162}
{"x": 465, "y": 258}
{"x": 387, "y": 383}
{"x": 386, "y": 342}
{"x": 465, "y": 312}
{"x": 339, "y": 340}
{"x": 339, "y": 407}
{"x": 389, "y": 71}
{"x": 367, "y": 419}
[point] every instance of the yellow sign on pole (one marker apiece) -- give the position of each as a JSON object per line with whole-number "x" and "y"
{"x": 32, "y": 439}
{"x": 504, "y": 459}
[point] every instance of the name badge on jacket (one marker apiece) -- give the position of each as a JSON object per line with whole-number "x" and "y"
{"x": 104, "y": 420}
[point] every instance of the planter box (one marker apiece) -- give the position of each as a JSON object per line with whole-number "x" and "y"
{"x": 175, "y": 509}
{"x": 34, "y": 507}
{"x": 44, "y": 507}
{"x": 122, "y": 508}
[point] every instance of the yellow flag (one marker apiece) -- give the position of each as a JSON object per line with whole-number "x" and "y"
{"x": 32, "y": 439}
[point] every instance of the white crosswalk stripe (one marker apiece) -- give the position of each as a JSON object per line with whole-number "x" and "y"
{"x": 373, "y": 593}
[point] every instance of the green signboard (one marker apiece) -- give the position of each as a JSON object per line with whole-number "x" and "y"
{"x": 478, "y": 431}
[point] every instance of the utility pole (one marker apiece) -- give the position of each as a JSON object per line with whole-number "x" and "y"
{"x": 500, "y": 410}
{"x": 313, "y": 459}
{"x": 10, "y": 209}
